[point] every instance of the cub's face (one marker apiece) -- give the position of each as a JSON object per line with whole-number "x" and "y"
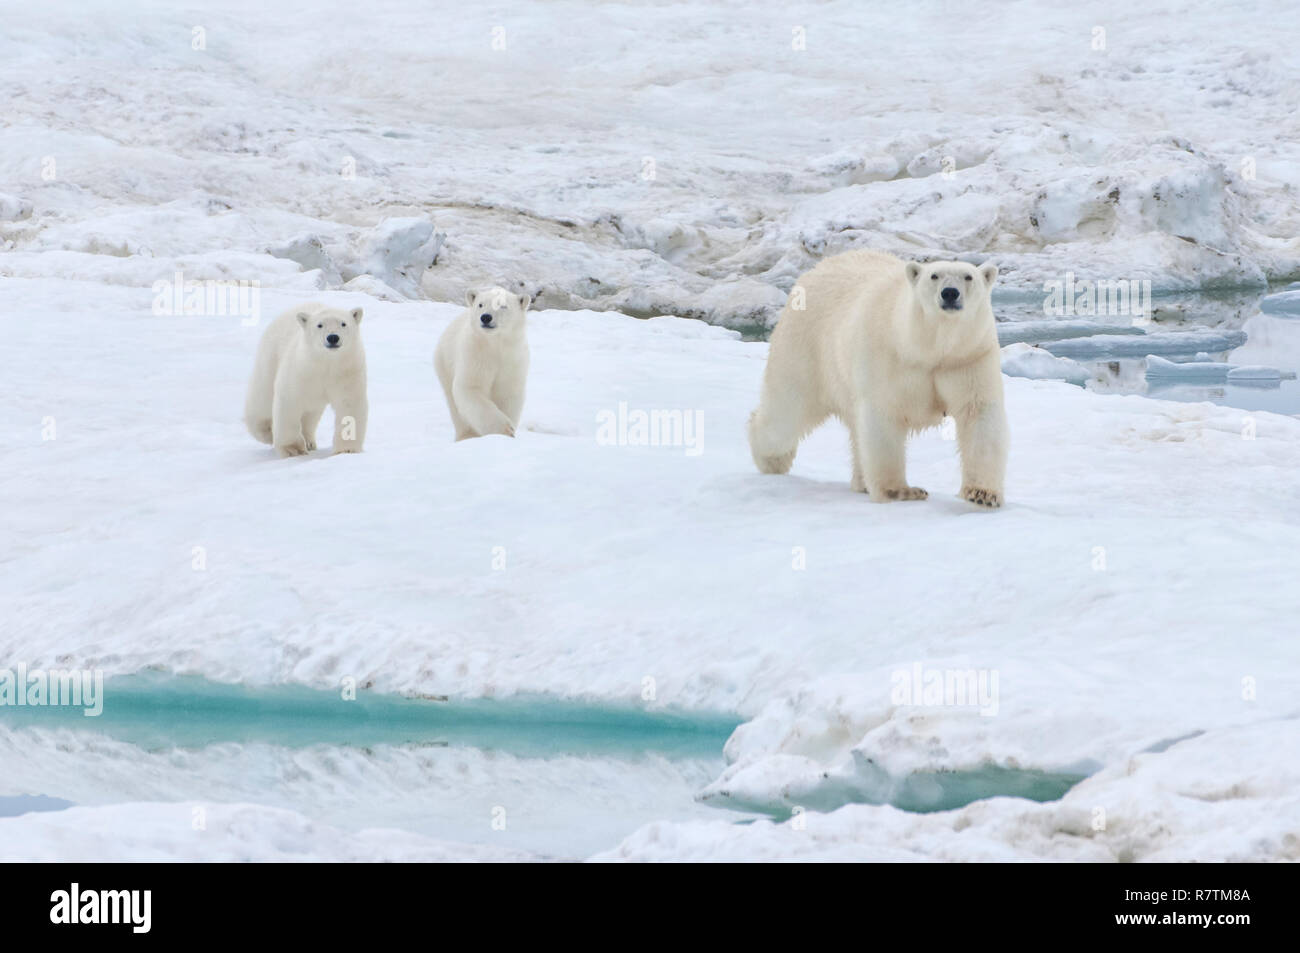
{"x": 951, "y": 288}
{"x": 496, "y": 310}
{"x": 331, "y": 329}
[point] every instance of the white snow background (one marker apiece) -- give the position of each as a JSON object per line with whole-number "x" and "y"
{"x": 1136, "y": 595}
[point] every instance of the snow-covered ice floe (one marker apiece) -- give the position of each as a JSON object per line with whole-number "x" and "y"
{"x": 640, "y": 164}
{"x": 1228, "y": 795}
{"x": 919, "y": 654}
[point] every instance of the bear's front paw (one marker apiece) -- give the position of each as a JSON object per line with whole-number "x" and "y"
{"x": 988, "y": 498}
{"x": 296, "y": 449}
{"x": 901, "y": 493}
{"x": 311, "y": 445}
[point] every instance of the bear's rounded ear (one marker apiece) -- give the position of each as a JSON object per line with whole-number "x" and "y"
{"x": 356, "y": 314}
{"x": 990, "y": 274}
{"x": 524, "y": 302}
{"x": 913, "y": 271}
{"x": 469, "y": 298}
{"x": 303, "y": 317}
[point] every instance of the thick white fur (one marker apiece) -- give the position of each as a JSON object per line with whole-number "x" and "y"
{"x": 484, "y": 369}
{"x": 296, "y": 375}
{"x": 873, "y": 346}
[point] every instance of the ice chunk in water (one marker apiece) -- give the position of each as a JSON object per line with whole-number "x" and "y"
{"x": 1189, "y": 371}
{"x": 1285, "y": 303}
{"x": 1025, "y": 360}
{"x": 1258, "y": 372}
{"x": 1107, "y": 346}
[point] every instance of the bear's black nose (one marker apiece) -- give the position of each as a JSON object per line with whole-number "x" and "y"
{"x": 485, "y": 318}
{"x": 949, "y": 295}
{"x": 332, "y": 339}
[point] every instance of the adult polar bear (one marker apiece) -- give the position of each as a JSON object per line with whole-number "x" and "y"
{"x": 309, "y": 357}
{"x": 889, "y": 348}
{"x": 482, "y": 363}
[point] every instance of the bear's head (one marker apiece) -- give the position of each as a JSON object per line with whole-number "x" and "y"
{"x": 497, "y": 310}
{"x": 951, "y": 288}
{"x": 332, "y": 330}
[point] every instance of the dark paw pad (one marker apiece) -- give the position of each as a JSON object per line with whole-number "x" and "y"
{"x": 906, "y": 493}
{"x": 982, "y": 497}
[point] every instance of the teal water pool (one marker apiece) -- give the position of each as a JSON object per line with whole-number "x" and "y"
{"x": 573, "y": 777}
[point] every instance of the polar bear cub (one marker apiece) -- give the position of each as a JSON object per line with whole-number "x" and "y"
{"x": 309, "y": 357}
{"x": 482, "y": 363}
{"x": 889, "y": 348}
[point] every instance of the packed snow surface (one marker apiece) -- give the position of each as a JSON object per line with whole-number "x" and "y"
{"x": 571, "y": 561}
{"x": 147, "y": 832}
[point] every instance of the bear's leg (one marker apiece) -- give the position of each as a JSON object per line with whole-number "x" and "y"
{"x": 260, "y": 428}
{"x": 457, "y": 421}
{"x": 260, "y": 400}
{"x": 478, "y": 411}
{"x": 286, "y": 426}
{"x": 983, "y": 439}
{"x": 512, "y": 404}
{"x": 775, "y": 430}
{"x": 880, "y": 458}
{"x": 858, "y": 482}
{"x": 310, "y": 424}
{"x": 463, "y": 430}
{"x": 351, "y": 415}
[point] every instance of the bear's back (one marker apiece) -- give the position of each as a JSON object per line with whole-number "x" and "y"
{"x": 841, "y": 291}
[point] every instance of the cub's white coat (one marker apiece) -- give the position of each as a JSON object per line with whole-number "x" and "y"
{"x": 871, "y": 340}
{"x": 482, "y": 363}
{"x": 309, "y": 357}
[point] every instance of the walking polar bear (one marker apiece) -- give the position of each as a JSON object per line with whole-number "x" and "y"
{"x": 309, "y": 357}
{"x": 890, "y": 349}
{"x": 482, "y": 363}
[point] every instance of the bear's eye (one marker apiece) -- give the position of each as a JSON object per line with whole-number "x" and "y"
{"x": 967, "y": 278}
{"x": 934, "y": 277}
{"x": 320, "y": 325}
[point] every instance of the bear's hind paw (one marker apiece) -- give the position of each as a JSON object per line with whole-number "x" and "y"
{"x": 906, "y": 493}
{"x": 988, "y": 498}
{"x": 896, "y": 493}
